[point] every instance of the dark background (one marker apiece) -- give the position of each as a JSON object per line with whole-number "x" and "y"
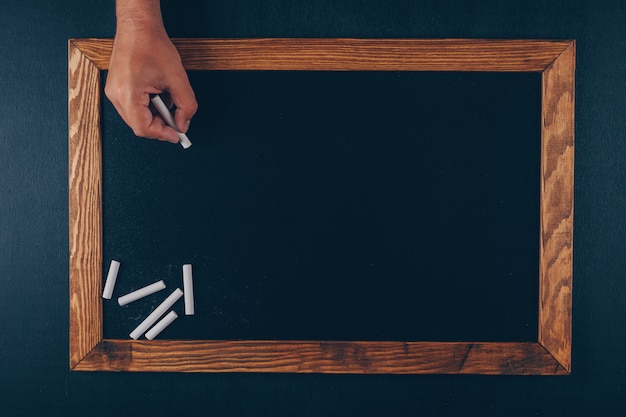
{"x": 34, "y": 374}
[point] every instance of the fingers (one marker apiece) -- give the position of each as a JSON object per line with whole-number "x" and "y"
{"x": 184, "y": 99}
{"x": 148, "y": 125}
{"x": 183, "y": 116}
{"x": 159, "y": 130}
{"x": 138, "y": 116}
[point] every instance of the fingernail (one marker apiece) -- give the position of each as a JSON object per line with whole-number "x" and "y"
{"x": 186, "y": 127}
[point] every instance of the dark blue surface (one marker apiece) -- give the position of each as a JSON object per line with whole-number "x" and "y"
{"x": 34, "y": 374}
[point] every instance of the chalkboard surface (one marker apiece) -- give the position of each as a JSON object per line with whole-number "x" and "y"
{"x": 335, "y": 206}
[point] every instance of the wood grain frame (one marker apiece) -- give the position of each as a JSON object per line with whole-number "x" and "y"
{"x": 549, "y": 355}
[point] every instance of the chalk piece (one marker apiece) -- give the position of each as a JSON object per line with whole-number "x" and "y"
{"x": 141, "y": 292}
{"x": 109, "y": 284}
{"x": 169, "y": 119}
{"x": 184, "y": 140}
{"x": 188, "y": 289}
{"x": 156, "y": 314}
{"x": 158, "y": 328}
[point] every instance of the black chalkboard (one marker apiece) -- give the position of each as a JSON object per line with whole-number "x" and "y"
{"x": 335, "y": 206}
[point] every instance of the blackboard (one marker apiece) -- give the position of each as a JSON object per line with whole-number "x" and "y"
{"x": 335, "y": 206}
{"x": 361, "y": 206}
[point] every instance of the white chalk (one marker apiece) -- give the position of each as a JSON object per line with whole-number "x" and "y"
{"x": 167, "y": 116}
{"x": 156, "y": 314}
{"x": 109, "y": 284}
{"x": 188, "y": 289}
{"x": 140, "y": 293}
{"x": 158, "y": 328}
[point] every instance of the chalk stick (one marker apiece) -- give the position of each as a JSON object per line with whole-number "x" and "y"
{"x": 156, "y": 314}
{"x": 169, "y": 119}
{"x": 109, "y": 284}
{"x": 140, "y": 293}
{"x": 188, "y": 289}
{"x": 158, "y": 328}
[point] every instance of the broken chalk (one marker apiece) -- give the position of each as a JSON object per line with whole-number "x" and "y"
{"x": 188, "y": 289}
{"x": 109, "y": 284}
{"x": 158, "y": 328}
{"x": 141, "y": 292}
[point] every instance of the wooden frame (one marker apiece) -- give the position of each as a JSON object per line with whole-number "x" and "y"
{"x": 550, "y": 354}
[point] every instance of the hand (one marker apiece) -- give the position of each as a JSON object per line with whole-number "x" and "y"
{"x": 144, "y": 61}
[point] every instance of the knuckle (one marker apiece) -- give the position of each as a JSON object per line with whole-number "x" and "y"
{"x": 139, "y": 131}
{"x": 193, "y": 108}
{"x": 112, "y": 91}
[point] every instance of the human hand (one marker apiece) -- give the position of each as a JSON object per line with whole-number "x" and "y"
{"x": 143, "y": 62}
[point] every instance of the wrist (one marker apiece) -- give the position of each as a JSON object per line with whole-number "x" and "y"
{"x": 139, "y": 16}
